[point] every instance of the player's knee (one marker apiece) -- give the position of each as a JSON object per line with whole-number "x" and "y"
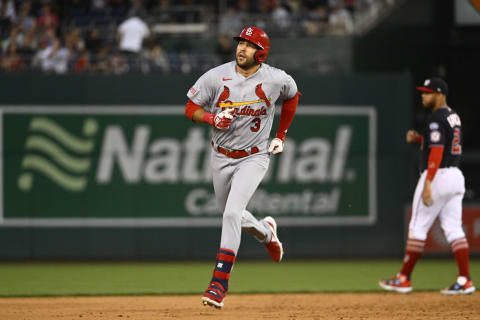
{"x": 418, "y": 234}
{"x": 232, "y": 216}
{"x": 454, "y": 234}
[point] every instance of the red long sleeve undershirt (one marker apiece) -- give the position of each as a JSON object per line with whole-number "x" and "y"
{"x": 434, "y": 161}
{"x": 190, "y": 109}
{"x": 286, "y": 116}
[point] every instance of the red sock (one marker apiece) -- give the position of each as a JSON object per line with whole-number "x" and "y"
{"x": 461, "y": 252}
{"x": 412, "y": 254}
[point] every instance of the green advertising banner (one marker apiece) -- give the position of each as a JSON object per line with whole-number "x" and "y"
{"x": 149, "y": 167}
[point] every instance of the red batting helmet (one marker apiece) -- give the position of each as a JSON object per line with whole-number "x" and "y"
{"x": 259, "y": 38}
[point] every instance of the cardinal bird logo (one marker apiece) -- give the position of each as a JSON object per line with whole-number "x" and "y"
{"x": 261, "y": 94}
{"x": 224, "y": 96}
{"x": 224, "y": 103}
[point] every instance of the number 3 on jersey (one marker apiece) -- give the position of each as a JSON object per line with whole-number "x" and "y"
{"x": 456, "y": 146}
{"x": 256, "y": 124}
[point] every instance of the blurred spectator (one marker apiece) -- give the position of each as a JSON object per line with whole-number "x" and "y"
{"x": 11, "y": 61}
{"x": 155, "y": 59}
{"x": 118, "y": 64}
{"x": 49, "y": 37}
{"x": 53, "y": 58}
{"x": 224, "y": 49}
{"x": 315, "y": 21}
{"x": 131, "y": 34}
{"x": 159, "y": 58}
{"x": 74, "y": 40}
{"x": 230, "y": 22}
{"x": 100, "y": 62}
{"x": 14, "y": 37}
{"x": 76, "y": 49}
{"x": 93, "y": 42}
{"x": 7, "y": 16}
{"x": 27, "y": 27}
{"x": 82, "y": 64}
{"x": 262, "y": 17}
{"x": 340, "y": 22}
{"x": 26, "y": 21}
{"x": 281, "y": 16}
{"x": 48, "y": 17}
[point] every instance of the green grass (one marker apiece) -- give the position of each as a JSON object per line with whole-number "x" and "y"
{"x": 60, "y": 279}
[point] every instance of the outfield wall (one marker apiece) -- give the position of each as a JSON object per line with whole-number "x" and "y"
{"x": 108, "y": 167}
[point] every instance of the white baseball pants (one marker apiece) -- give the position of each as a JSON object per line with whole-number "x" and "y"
{"x": 448, "y": 188}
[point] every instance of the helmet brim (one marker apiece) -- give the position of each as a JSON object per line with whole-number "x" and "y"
{"x": 245, "y": 39}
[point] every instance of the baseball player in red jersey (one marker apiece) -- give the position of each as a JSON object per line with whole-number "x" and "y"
{"x": 238, "y": 100}
{"x": 439, "y": 191}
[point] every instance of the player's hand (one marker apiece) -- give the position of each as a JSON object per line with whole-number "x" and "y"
{"x": 413, "y": 136}
{"x": 276, "y": 146}
{"x": 220, "y": 121}
{"x": 223, "y": 120}
{"x": 427, "y": 194}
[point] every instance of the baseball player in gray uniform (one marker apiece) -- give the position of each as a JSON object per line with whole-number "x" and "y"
{"x": 238, "y": 100}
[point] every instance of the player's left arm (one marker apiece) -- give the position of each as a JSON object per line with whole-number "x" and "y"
{"x": 436, "y": 141}
{"x": 289, "y": 107}
{"x": 289, "y": 93}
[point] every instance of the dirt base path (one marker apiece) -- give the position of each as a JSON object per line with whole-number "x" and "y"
{"x": 261, "y": 306}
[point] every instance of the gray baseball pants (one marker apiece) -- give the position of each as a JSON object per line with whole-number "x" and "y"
{"x": 235, "y": 181}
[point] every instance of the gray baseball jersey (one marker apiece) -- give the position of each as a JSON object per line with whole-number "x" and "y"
{"x": 253, "y": 99}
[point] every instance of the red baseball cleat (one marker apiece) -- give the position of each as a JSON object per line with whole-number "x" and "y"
{"x": 214, "y": 295}
{"x": 274, "y": 247}
{"x": 399, "y": 283}
{"x": 463, "y": 285}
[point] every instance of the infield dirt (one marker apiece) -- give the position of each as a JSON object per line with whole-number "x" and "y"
{"x": 421, "y": 305}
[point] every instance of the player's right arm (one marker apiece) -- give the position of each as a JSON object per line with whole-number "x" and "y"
{"x": 414, "y": 137}
{"x": 202, "y": 94}
{"x": 197, "y": 114}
